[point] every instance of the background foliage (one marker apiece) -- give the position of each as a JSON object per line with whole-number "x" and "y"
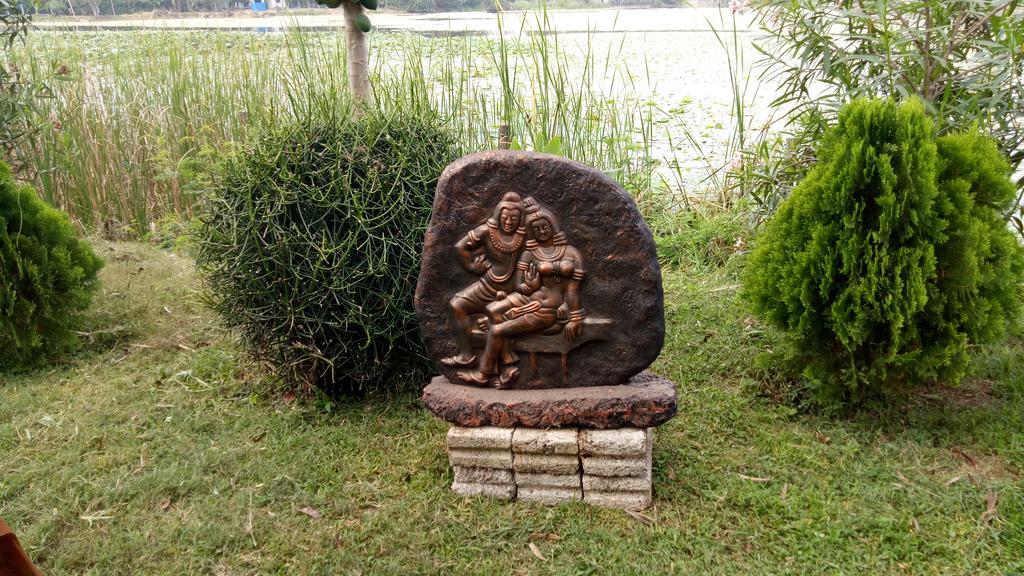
{"x": 19, "y": 91}
{"x": 47, "y": 275}
{"x": 880, "y": 275}
{"x": 310, "y": 244}
{"x": 963, "y": 58}
{"x": 144, "y": 114}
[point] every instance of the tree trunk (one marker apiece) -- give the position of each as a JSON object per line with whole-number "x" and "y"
{"x": 358, "y": 49}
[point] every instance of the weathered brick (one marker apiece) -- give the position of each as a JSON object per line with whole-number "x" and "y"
{"x": 554, "y": 441}
{"x": 477, "y": 458}
{"x": 486, "y": 437}
{"x": 617, "y": 483}
{"x": 600, "y": 466}
{"x": 548, "y": 480}
{"x": 547, "y": 495}
{"x": 467, "y": 475}
{"x": 622, "y": 442}
{"x": 547, "y": 464}
{"x": 621, "y": 500}
{"x": 503, "y": 491}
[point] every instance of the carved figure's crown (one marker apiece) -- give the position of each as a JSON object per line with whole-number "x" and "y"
{"x": 511, "y": 197}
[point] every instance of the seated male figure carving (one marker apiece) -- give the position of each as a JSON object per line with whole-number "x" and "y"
{"x": 490, "y": 251}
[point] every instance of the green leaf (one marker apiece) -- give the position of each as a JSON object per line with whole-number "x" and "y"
{"x": 553, "y": 146}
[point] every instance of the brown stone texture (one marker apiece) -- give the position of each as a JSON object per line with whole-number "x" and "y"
{"x": 646, "y": 400}
{"x": 622, "y": 292}
{"x": 13, "y": 560}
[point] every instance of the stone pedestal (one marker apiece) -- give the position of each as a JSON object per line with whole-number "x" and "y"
{"x": 609, "y": 468}
{"x": 554, "y": 445}
{"x": 644, "y": 401}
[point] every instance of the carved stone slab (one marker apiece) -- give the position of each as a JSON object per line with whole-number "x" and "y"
{"x": 537, "y": 272}
{"x": 645, "y": 401}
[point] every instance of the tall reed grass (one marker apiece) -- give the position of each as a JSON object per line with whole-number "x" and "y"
{"x": 140, "y": 117}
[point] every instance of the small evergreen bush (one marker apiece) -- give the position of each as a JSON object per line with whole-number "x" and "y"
{"x": 889, "y": 257}
{"x": 47, "y": 275}
{"x": 976, "y": 294}
{"x": 310, "y": 244}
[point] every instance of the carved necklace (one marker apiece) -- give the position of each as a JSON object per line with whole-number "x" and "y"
{"x": 551, "y": 256}
{"x": 501, "y": 245}
{"x": 508, "y": 274}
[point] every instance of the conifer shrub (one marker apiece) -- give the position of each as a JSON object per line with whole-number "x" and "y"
{"x": 310, "y": 242}
{"x": 976, "y": 293}
{"x": 47, "y": 276}
{"x": 889, "y": 257}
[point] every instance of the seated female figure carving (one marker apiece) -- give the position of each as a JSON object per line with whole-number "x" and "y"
{"x": 549, "y": 275}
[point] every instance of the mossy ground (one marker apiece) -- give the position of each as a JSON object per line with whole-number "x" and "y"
{"x": 159, "y": 450}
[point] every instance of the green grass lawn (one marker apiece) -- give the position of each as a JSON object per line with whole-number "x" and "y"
{"x": 158, "y": 450}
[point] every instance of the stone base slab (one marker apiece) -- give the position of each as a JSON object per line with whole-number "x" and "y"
{"x": 645, "y": 401}
{"x": 609, "y": 468}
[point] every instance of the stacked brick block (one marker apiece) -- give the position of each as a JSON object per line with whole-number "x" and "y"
{"x": 547, "y": 465}
{"x": 617, "y": 467}
{"x": 482, "y": 461}
{"x": 602, "y": 467}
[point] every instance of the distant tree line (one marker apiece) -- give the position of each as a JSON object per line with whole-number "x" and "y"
{"x": 109, "y": 7}
{"x": 116, "y": 7}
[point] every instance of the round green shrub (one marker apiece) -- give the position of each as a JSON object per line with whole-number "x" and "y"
{"x": 976, "y": 293}
{"x": 310, "y": 245}
{"x": 47, "y": 275}
{"x": 888, "y": 258}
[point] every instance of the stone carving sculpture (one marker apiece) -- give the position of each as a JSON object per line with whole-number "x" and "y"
{"x": 540, "y": 299}
{"x": 537, "y": 273}
{"x": 547, "y": 298}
